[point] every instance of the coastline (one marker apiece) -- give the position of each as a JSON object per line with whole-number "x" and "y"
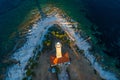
{"x": 34, "y": 33}
{"x": 16, "y": 40}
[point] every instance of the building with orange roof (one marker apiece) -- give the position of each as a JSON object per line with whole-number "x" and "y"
{"x": 59, "y": 58}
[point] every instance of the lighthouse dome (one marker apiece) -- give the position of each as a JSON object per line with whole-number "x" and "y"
{"x": 58, "y": 44}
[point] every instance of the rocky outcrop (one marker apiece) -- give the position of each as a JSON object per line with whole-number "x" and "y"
{"x": 10, "y": 61}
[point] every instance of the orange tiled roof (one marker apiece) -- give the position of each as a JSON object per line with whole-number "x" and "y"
{"x": 64, "y": 58}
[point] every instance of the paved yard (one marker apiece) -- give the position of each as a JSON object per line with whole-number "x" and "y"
{"x": 79, "y": 69}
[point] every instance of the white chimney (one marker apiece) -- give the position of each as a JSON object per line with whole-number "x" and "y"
{"x": 58, "y": 50}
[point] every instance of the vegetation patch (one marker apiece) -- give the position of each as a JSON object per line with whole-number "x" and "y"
{"x": 55, "y": 33}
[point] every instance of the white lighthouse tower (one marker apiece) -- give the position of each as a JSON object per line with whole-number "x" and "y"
{"x": 58, "y": 50}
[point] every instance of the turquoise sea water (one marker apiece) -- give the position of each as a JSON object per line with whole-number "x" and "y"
{"x": 104, "y": 14}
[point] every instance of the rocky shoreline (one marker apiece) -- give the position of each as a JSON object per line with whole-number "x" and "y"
{"x": 55, "y": 16}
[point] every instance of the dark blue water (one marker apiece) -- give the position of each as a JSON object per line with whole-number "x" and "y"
{"x": 7, "y": 5}
{"x": 106, "y": 15}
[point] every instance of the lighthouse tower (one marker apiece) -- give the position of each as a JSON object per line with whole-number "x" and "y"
{"x": 58, "y": 50}
{"x": 59, "y": 58}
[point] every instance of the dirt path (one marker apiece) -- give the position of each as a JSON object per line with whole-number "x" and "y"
{"x": 80, "y": 68}
{"x": 41, "y": 70}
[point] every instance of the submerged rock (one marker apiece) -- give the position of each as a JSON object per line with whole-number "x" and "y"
{"x": 11, "y": 61}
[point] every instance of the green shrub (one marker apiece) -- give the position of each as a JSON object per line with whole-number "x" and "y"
{"x": 33, "y": 65}
{"x": 28, "y": 73}
{"x": 81, "y": 51}
{"x": 24, "y": 78}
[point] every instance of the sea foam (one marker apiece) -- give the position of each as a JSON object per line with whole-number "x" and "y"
{"x": 35, "y": 37}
